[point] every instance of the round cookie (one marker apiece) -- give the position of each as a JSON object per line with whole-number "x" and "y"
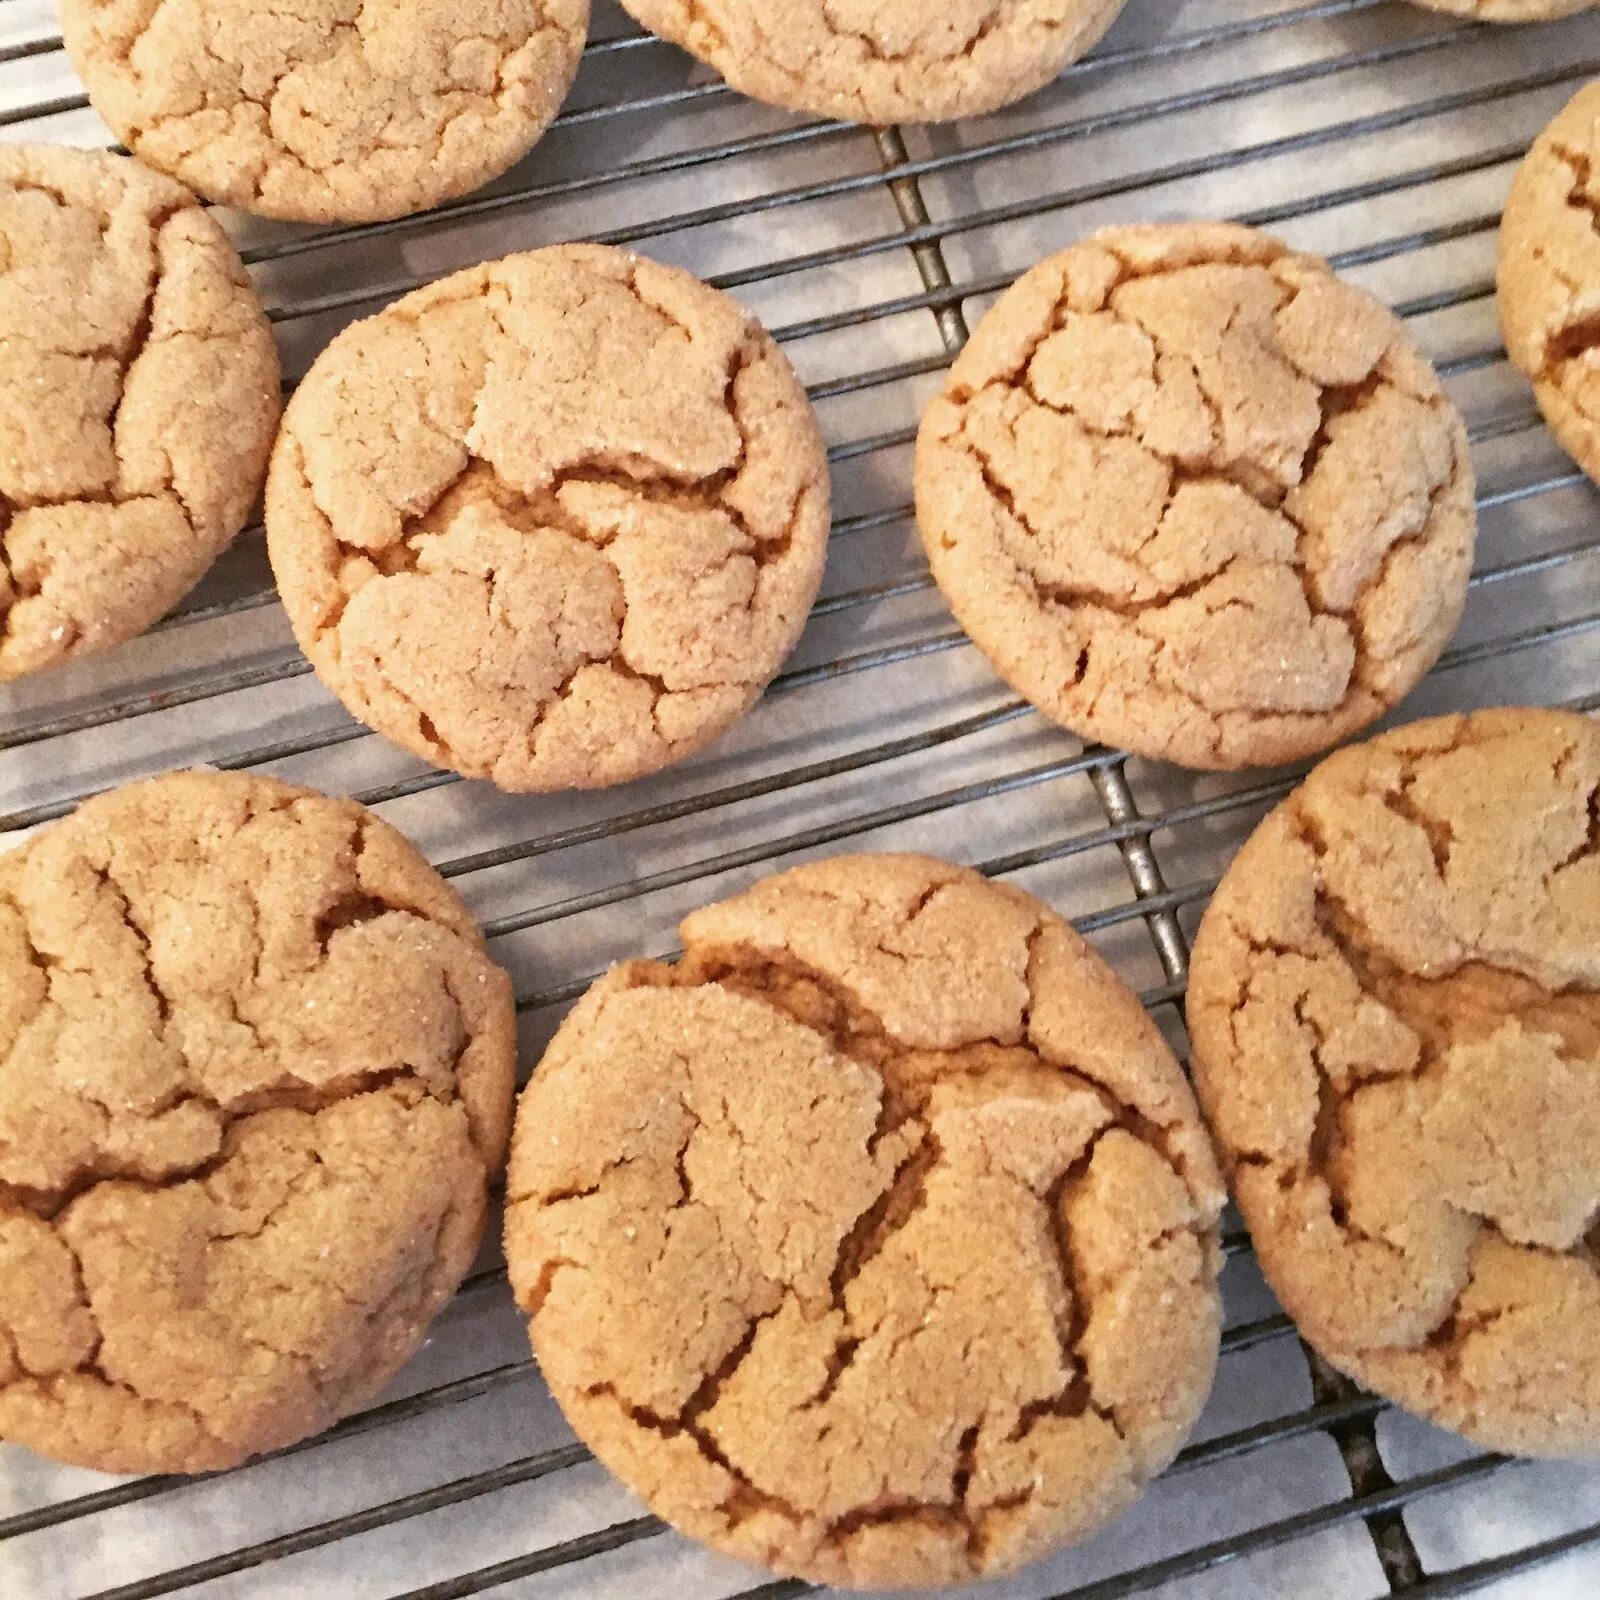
{"x": 883, "y": 60}
{"x": 327, "y": 110}
{"x": 255, "y": 1072}
{"x": 554, "y": 521}
{"x": 1510, "y": 10}
{"x": 1550, "y": 275}
{"x": 1196, "y": 498}
{"x": 1395, "y": 1011}
{"x": 138, "y": 399}
{"x": 876, "y": 1241}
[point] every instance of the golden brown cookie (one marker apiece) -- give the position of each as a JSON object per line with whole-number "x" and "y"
{"x": 876, "y": 1241}
{"x": 138, "y": 398}
{"x": 883, "y": 60}
{"x": 554, "y": 521}
{"x": 1510, "y": 10}
{"x": 1195, "y": 497}
{"x": 255, "y": 1072}
{"x": 1395, "y": 1010}
{"x": 1550, "y": 275}
{"x": 327, "y": 110}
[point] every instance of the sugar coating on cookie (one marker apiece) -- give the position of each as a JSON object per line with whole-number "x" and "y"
{"x": 255, "y": 1072}
{"x": 1510, "y": 10}
{"x": 876, "y": 1240}
{"x": 327, "y": 110}
{"x": 1395, "y": 1011}
{"x": 138, "y": 398}
{"x": 883, "y": 60}
{"x": 1549, "y": 275}
{"x": 1195, "y": 497}
{"x": 554, "y": 521}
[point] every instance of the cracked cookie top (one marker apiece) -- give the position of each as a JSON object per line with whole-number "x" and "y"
{"x": 1510, "y": 10}
{"x": 1395, "y": 1010}
{"x": 138, "y": 397}
{"x": 876, "y": 1240}
{"x": 255, "y": 1072}
{"x": 883, "y": 60}
{"x": 1550, "y": 275}
{"x": 327, "y": 110}
{"x": 1196, "y": 498}
{"x": 554, "y": 521}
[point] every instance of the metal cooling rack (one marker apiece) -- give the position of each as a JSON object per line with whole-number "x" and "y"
{"x": 1374, "y": 132}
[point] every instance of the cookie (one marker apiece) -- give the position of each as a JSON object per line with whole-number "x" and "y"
{"x": 138, "y": 398}
{"x": 1395, "y": 1011}
{"x": 255, "y": 1072}
{"x": 1510, "y": 10}
{"x": 883, "y": 60}
{"x": 876, "y": 1240}
{"x": 1196, "y": 498}
{"x": 327, "y": 110}
{"x": 1550, "y": 275}
{"x": 554, "y": 521}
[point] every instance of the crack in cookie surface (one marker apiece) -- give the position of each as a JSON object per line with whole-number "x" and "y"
{"x": 137, "y": 400}
{"x": 1549, "y": 277}
{"x": 328, "y": 110}
{"x": 1395, "y": 1009}
{"x": 764, "y": 1204}
{"x": 1195, "y": 497}
{"x": 554, "y": 521}
{"x": 884, "y": 60}
{"x": 255, "y": 1070}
